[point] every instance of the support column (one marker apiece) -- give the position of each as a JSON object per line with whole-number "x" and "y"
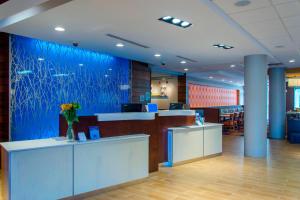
{"x": 277, "y": 103}
{"x": 255, "y": 105}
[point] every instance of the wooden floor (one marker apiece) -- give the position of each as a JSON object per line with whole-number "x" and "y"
{"x": 230, "y": 176}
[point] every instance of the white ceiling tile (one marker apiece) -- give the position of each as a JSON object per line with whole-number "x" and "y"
{"x": 295, "y": 33}
{"x": 254, "y": 16}
{"x": 229, "y": 5}
{"x": 282, "y": 1}
{"x": 289, "y": 9}
{"x": 272, "y": 42}
{"x": 266, "y": 29}
{"x": 292, "y": 22}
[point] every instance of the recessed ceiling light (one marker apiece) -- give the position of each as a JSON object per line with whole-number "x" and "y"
{"x": 184, "y": 24}
{"x": 232, "y": 66}
{"x": 119, "y": 45}
{"x": 80, "y": 64}
{"x": 186, "y": 69}
{"x": 242, "y": 3}
{"x": 110, "y": 69}
{"x": 41, "y": 59}
{"x": 167, "y": 18}
{"x": 210, "y": 77}
{"x": 59, "y": 29}
{"x": 227, "y": 47}
{"x": 175, "y": 21}
{"x": 230, "y": 81}
{"x": 292, "y": 61}
{"x": 224, "y": 46}
{"x": 157, "y": 55}
{"x": 183, "y": 62}
{"x": 106, "y": 75}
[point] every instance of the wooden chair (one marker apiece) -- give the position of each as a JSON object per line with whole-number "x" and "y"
{"x": 229, "y": 124}
{"x": 236, "y": 119}
{"x": 241, "y": 121}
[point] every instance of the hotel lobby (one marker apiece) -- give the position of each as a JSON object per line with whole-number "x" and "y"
{"x": 150, "y": 100}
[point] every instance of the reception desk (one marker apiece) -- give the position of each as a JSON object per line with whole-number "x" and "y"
{"x": 52, "y": 169}
{"x": 189, "y": 143}
{"x": 167, "y": 119}
{"x": 153, "y": 124}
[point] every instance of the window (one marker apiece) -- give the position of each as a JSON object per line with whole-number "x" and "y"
{"x": 296, "y": 98}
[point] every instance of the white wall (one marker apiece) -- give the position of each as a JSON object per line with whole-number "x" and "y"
{"x": 171, "y": 91}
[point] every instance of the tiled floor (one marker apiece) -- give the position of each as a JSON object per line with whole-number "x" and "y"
{"x": 230, "y": 176}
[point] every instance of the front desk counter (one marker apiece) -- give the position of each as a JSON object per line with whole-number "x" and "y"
{"x": 189, "y": 143}
{"x": 52, "y": 169}
{"x": 154, "y": 124}
{"x": 167, "y": 119}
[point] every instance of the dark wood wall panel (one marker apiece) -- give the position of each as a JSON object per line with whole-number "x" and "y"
{"x": 140, "y": 81}
{"x": 182, "y": 88}
{"x": 211, "y": 114}
{"x": 4, "y": 87}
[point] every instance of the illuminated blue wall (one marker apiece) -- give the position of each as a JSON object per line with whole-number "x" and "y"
{"x": 45, "y": 75}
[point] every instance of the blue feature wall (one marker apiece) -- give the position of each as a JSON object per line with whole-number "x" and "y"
{"x": 45, "y": 75}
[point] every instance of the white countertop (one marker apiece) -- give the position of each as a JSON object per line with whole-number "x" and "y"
{"x": 206, "y": 125}
{"x": 125, "y": 116}
{"x": 176, "y": 112}
{"x": 115, "y": 138}
{"x": 54, "y": 142}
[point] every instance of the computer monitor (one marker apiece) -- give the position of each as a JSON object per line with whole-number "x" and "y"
{"x": 132, "y": 107}
{"x": 176, "y": 106}
{"x": 152, "y": 107}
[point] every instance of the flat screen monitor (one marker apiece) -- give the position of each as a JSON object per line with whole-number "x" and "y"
{"x": 152, "y": 107}
{"x": 132, "y": 107}
{"x": 176, "y": 106}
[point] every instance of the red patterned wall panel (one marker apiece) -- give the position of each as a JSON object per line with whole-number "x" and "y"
{"x": 201, "y": 96}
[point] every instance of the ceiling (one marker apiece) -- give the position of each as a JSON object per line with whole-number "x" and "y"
{"x": 263, "y": 27}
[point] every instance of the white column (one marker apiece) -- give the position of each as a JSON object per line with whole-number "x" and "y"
{"x": 277, "y": 103}
{"x": 255, "y": 105}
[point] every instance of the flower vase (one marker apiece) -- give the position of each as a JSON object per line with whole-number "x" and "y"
{"x": 70, "y": 133}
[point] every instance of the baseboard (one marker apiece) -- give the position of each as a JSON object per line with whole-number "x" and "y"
{"x": 191, "y": 160}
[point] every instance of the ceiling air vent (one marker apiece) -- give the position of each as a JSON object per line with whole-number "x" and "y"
{"x": 187, "y": 59}
{"x": 128, "y": 41}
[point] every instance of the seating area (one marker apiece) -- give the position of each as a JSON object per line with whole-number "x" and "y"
{"x": 232, "y": 122}
{"x": 232, "y": 117}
